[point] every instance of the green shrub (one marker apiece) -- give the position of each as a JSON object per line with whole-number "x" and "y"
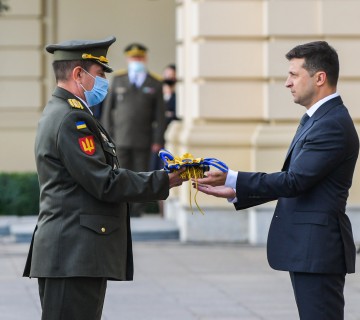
{"x": 19, "y": 194}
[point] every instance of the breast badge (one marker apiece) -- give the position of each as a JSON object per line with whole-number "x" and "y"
{"x": 149, "y": 90}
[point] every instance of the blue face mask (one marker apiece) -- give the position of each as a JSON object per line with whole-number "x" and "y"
{"x": 99, "y": 91}
{"x": 136, "y": 66}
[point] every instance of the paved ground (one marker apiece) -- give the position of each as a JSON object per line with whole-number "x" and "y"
{"x": 175, "y": 281}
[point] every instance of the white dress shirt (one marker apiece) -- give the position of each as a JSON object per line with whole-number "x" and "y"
{"x": 137, "y": 78}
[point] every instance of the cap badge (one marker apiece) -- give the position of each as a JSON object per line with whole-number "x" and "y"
{"x": 90, "y": 56}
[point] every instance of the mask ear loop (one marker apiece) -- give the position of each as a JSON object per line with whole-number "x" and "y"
{"x": 89, "y": 75}
{"x": 82, "y": 87}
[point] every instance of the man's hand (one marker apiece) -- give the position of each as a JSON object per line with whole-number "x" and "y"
{"x": 174, "y": 178}
{"x": 218, "y": 191}
{"x": 213, "y": 178}
{"x": 155, "y": 147}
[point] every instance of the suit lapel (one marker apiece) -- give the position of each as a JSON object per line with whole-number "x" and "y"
{"x": 299, "y": 134}
{"x": 323, "y": 109}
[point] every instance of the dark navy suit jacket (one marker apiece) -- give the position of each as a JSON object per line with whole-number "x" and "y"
{"x": 310, "y": 231}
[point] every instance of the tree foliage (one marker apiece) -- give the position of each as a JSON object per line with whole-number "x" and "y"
{"x": 19, "y": 194}
{"x": 3, "y": 6}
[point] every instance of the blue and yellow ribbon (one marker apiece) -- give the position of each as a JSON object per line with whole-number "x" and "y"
{"x": 194, "y": 167}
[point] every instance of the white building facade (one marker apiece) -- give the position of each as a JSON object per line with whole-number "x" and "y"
{"x": 231, "y": 94}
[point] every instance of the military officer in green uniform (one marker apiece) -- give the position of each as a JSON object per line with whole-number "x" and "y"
{"x": 134, "y": 113}
{"x": 82, "y": 237}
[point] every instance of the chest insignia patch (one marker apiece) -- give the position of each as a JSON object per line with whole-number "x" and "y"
{"x": 75, "y": 104}
{"x": 87, "y": 145}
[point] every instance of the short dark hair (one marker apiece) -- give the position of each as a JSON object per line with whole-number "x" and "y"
{"x": 319, "y": 56}
{"x": 171, "y": 66}
{"x": 63, "y": 68}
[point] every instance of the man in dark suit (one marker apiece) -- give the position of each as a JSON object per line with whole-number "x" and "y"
{"x": 134, "y": 114}
{"x": 310, "y": 234}
{"x": 82, "y": 237}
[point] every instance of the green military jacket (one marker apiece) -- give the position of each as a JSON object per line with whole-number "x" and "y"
{"x": 135, "y": 117}
{"x": 83, "y": 228}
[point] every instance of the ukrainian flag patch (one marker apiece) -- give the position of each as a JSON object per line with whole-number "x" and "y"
{"x": 81, "y": 125}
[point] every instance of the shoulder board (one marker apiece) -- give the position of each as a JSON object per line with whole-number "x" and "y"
{"x": 120, "y": 72}
{"x": 75, "y": 104}
{"x": 156, "y": 76}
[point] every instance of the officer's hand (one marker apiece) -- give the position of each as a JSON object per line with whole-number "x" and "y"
{"x": 155, "y": 147}
{"x": 174, "y": 178}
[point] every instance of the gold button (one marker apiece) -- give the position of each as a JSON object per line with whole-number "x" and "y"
{"x": 103, "y": 229}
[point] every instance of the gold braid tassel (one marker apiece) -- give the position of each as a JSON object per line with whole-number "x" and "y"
{"x": 194, "y": 168}
{"x": 193, "y": 172}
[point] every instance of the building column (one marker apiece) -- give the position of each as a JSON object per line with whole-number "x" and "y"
{"x": 233, "y": 102}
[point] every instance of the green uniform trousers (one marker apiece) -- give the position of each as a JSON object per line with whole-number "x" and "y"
{"x": 72, "y": 298}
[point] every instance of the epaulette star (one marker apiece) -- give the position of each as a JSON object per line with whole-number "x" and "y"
{"x": 120, "y": 72}
{"x": 156, "y": 76}
{"x": 75, "y": 104}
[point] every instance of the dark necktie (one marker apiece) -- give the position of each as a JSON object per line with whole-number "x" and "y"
{"x": 303, "y": 120}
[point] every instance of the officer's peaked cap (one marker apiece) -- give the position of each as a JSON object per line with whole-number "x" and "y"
{"x": 93, "y": 50}
{"x": 135, "y": 50}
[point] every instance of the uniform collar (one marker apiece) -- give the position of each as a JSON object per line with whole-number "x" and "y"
{"x": 85, "y": 104}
